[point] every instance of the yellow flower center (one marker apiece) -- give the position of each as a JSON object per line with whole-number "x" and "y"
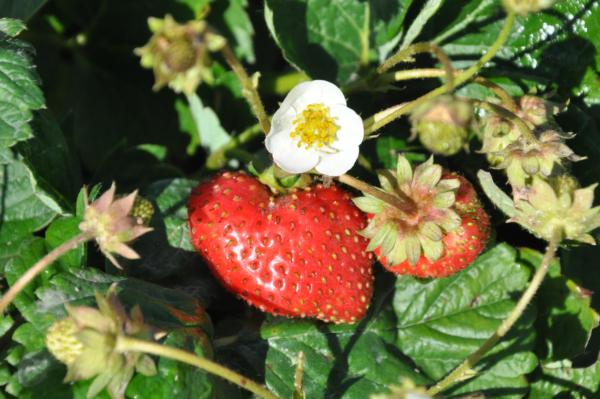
{"x": 314, "y": 127}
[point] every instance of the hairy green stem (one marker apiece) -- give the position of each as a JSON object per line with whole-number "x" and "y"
{"x": 249, "y": 89}
{"x": 38, "y": 267}
{"x": 506, "y": 99}
{"x": 127, "y": 344}
{"x": 402, "y": 201}
{"x": 465, "y": 371}
{"x": 407, "y": 53}
{"x": 384, "y": 117}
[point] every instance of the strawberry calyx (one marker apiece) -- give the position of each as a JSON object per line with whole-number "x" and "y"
{"x": 406, "y": 235}
{"x": 279, "y": 181}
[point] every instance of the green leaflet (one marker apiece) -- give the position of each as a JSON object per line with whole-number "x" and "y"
{"x": 442, "y": 321}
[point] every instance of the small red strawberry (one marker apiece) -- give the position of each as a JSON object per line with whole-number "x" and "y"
{"x": 443, "y": 233}
{"x": 297, "y": 255}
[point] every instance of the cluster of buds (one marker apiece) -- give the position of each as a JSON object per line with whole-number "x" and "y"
{"x": 179, "y": 54}
{"x": 113, "y": 222}
{"x": 442, "y": 125}
{"x": 85, "y": 341}
{"x": 546, "y": 199}
{"x": 533, "y": 148}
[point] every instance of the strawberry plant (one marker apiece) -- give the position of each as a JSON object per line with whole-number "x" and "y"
{"x": 299, "y": 199}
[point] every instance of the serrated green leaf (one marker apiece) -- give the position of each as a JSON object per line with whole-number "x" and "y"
{"x": 562, "y": 378}
{"x": 60, "y": 231}
{"x": 10, "y": 26}
{"x": 442, "y": 321}
{"x": 428, "y": 10}
{"x": 326, "y": 39}
{"x": 555, "y": 49}
{"x": 51, "y": 160}
{"x": 386, "y": 24}
{"x": 24, "y": 208}
{"x": 19, "y": 90}
{"x": 342, "y": 361}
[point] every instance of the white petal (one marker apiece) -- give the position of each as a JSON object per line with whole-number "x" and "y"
{"x": 351, "y": 130}
{"x": 313, "y": 92}
{"x": 338, "y": 163}
{"x": 288, "y": 156}
{"x": 283, "y": 119}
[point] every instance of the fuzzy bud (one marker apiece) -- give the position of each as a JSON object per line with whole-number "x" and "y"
{"x": 110, "y": 223}
{"x": 545, "y": 211}
{"x": 525, "y": 158}
{"x": 442, "y": 125}
{"x": 85, "y": 342}
{"x": 179, "y": 54}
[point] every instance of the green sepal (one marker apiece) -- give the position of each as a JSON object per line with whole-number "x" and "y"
{"x": 368, "y": 204}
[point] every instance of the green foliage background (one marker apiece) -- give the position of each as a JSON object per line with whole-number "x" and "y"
{"x": 76, "y": 108}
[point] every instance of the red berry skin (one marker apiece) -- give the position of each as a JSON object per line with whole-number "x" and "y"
{"x": 297, "y": 255}
{"x": 462, "y": 246}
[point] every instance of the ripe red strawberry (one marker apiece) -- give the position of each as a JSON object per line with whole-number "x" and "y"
{"x": 297, "y": 255}
{"x": 440, "y": 229}
{"x": 461, "y": 246}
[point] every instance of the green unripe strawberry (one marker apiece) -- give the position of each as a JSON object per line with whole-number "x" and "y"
{"x": 442, "y": 125}
{"x": 62, "y": 341}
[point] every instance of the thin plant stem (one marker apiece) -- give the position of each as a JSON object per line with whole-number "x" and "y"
{"x": 248, "y": 88}
{"x": 402, "y": 201}
{"x": 218, "y": 158}
{"x": 410, "y": 74}
{"x": 406, "y": 53}
{"x": 507, "y": 101}
{"x": 38, "y": 267}
{"x": 465, "y": 370}
{"x": 127, "y": 344}
{"x": 384, "y": 117}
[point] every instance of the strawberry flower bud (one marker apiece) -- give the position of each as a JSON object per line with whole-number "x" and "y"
{"x": 110, "y": 222}
{"x": 404, "y": 235}
{"x": 546, "y": 210}
{"x": 442, "y": 125}
{"x": 85, "y": 342}
{"x": 179, "y": 54}
{"x": 536, "y": 111}
{"x": 313, "y": 128}
{"x": 525, "y": 158}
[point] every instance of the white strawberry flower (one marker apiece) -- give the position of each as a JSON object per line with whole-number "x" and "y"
{"x": 314, "y": 129}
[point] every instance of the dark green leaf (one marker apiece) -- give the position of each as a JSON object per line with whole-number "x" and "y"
{"x": 350, "y": 361}
{"x": 24, "y": 208}
{"x": 326, "y": 39}
{"x": 60, "y": 231}
{"x": 565, "y": 319}
{"x": 17, "y": 257}
{"x": 562, "y": 378}
{"x": 51, "y": 160}
{"x": 386, "y": 19}
{"x": 21, "y": 9}
{"x": 19, "y": 88}
{"x": 11, "y": 27}
{"x": 442, "y": 321}
{"x": 558, "y": 48}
